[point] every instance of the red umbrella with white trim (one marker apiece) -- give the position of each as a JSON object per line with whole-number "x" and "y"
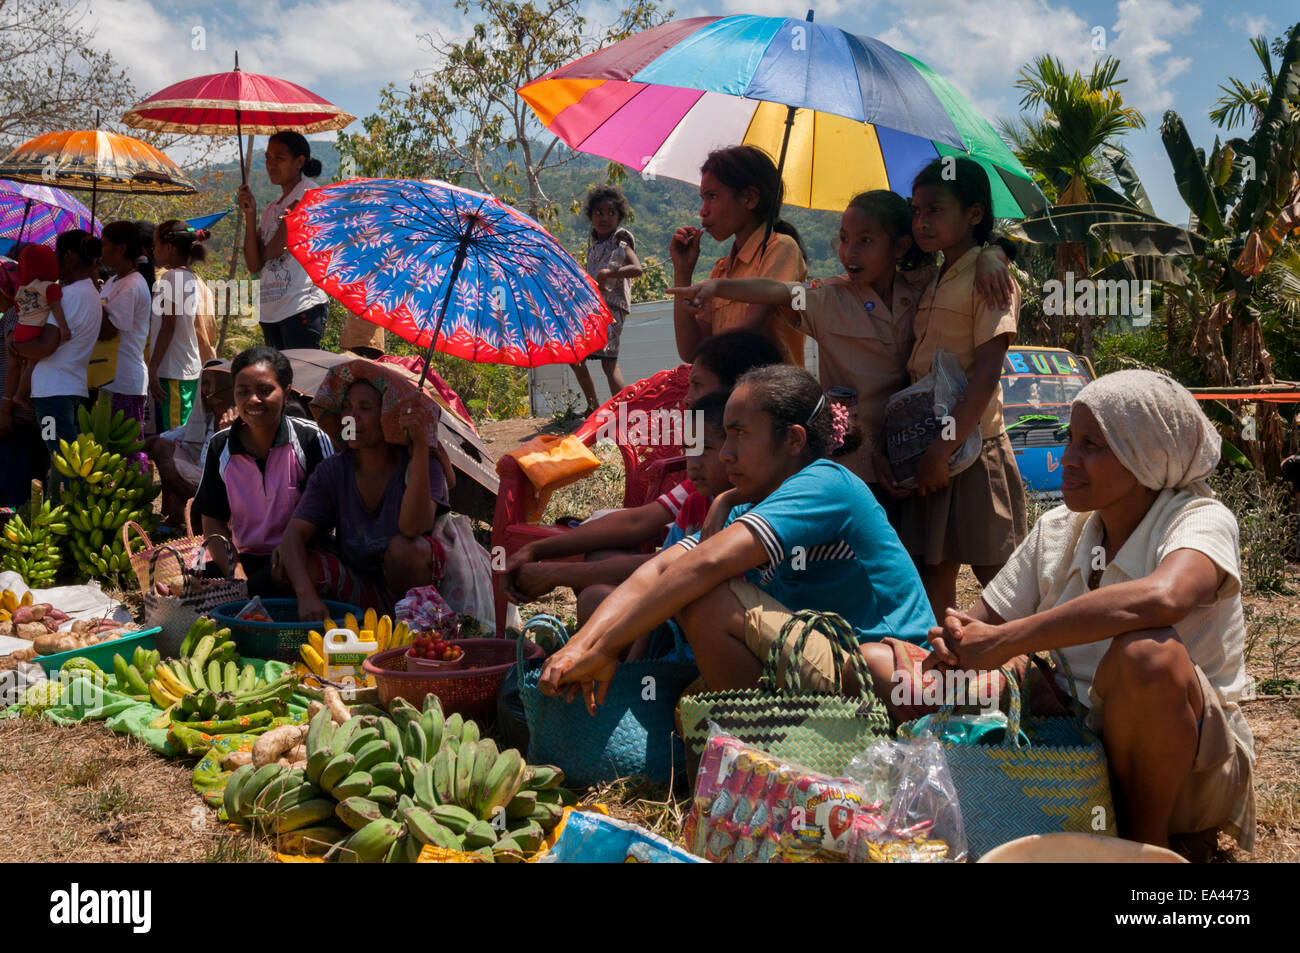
{"x": 234, "y": 103}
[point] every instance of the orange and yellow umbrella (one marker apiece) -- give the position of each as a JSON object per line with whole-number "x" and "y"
{"x": 95, "y": 161}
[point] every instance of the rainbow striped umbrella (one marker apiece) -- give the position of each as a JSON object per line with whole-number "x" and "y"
{"x": 855, "y": 113}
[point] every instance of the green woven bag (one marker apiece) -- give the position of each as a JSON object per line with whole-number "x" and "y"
{"x": 819, "y": 731}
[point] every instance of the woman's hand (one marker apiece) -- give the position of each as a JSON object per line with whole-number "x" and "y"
{"x": 684, "y": 248}
{"x": 413, "y": 428}
{"x": 719, "y": 510}
{"x": 885, "y": 476}
{"x": 527, "y": 581}
{"x": 932, "y": 470}
{"x": 967, "y": 643}
{"x": 697, "y": 297}
{"x": 227, "y": 419}
{"x": 604, "y": 275}
{"x": 245, "y": 200}
{"x": 311, "y": 608}
{"x": 993, "y": 278}
{"x": 579, "y": 667}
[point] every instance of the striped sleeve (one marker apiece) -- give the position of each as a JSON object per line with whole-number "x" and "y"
{"x": 673, "y": 499}
{"x": 766, "y": 535}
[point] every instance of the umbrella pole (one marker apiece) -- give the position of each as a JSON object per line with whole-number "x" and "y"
{"x": 239, "y": 136}
{"x": 23, "y": 227}
{"x": 442, "y": 312}
{"x": 780, "y": 166}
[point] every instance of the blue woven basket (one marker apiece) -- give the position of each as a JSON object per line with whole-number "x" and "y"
{"x": 279, "y": 639}
{"x": 1057, "y": 782}
{"x": 628, "y": 735}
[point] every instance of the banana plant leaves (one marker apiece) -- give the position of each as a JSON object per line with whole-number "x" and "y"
{"x": 1189, "y": 174}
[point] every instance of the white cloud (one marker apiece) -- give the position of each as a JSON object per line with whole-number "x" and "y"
{"x": 1142, "y": 33}
{"x": 359, "y": 41}
{"x": 155, "y": 48}
{"x": 982, "y": 55}
{"x": 365, "y": 41}
{"x": 1257, "y": 26}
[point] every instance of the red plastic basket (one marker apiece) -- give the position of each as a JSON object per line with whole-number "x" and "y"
{"x": 470, "y": 691}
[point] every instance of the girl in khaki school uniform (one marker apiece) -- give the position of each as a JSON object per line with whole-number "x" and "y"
{"x": 977, "y": 517}
{"x": 862, "y": 319}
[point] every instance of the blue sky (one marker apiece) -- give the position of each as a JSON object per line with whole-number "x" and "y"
{"x": 1175, "y": 53}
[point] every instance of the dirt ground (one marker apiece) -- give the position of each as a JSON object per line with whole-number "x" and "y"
{"x": 82, "y": 794}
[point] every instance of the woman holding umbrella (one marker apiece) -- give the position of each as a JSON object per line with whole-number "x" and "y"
{"x": 740, "y": 189}
{"x": 380, "y": 497}
{"x": 291, "y": 309}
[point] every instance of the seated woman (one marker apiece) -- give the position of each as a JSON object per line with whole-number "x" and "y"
{"x": 381, "y": 500}
{"x": 178, "y": 453}
{"x": 1136, "y": 581}
{"x": 254, "y": 471}
{"x": 719, "y": 362}
{"x": 807, "y": 534}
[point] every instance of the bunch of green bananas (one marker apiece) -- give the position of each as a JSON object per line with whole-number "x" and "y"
{"x": 112, "y": 430}
{"x": 105, "y": 490}
{"x": 30, "y": 542}
{"x": 212, "y": 675}
{"x": 133, "y": 677}
{"x": 380, "y": 789}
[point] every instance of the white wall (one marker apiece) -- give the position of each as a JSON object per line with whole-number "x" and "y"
{"x": 648, "y": 346}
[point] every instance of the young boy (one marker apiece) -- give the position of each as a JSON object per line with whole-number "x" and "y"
{"x": 595, "y": 578}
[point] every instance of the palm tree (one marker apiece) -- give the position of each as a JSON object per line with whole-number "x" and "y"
{"x": 1070, "y": 140}
{"x": 1244, "y": 201}
{"x": 1241, "y": 99}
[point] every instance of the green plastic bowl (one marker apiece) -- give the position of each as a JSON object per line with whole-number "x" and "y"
{"x": 280, "y": 638}
{"x": 101, "y": 654}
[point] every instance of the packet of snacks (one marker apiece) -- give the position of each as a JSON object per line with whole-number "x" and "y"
{"x": 424, "y": 610}
{"x": 750, "y": 807}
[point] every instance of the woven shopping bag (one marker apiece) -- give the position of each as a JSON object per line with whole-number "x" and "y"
{"x": 819, "y": 731}
{"x": 185, "y": 552}
{"x": 632, "y": 733}
{"x": 174, "y": 614}
{"x": 1057, "y": 782}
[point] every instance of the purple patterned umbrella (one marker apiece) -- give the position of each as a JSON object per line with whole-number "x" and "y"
{"x": 35, "y": 214}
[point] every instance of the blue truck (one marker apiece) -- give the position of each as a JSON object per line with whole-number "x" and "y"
{"x": 1038, "y": 384}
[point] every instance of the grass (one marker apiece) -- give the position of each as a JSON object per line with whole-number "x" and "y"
{"x": 230, "y": 847}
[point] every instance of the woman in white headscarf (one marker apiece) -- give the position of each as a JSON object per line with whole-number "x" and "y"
{"x": 1135, "y": 581}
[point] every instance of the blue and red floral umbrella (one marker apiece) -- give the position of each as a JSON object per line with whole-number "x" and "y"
{"x": 449, "y": 269}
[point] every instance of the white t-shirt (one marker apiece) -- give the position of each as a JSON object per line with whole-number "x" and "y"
{"x": 284, "y": 288}
{"x": 63, "y": 373}
{"x": 129, "y": 307}
{"x": 177, "y": 293}
{"x": 1052, "y": 566}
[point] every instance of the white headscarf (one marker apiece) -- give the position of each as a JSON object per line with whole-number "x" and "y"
{"x": 1155, "y": 428}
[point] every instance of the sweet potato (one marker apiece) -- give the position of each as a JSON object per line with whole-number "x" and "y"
{"x": 298, "y": 754}
{"x": 268, "y": 748}
{"x": 334, "y": 702}
{"x": 51, "y": 643}
{"x": 236, "y": 758}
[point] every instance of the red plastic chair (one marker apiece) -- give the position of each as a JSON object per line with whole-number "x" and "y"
{"x": 649, "y": 470}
